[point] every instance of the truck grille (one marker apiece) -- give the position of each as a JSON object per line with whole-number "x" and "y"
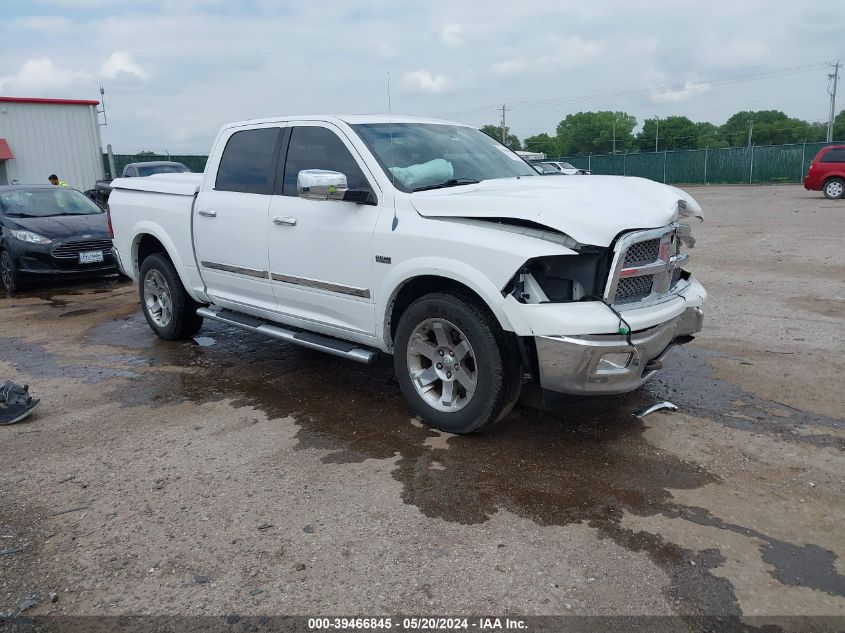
{"x": 641, "y": 253}
{"x": 71, "y": 250}
{"x": 634, "y": 288}
{"x": 646, "y": 265}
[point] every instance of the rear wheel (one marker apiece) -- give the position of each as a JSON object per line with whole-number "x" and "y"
{"x": 456, "y": 367}
{"x": 9, "y": 275}
{"x": 169, "y": 309}
{"x": 834, "y": 188}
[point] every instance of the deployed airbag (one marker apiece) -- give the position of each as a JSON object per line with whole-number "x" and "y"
{"x": 424, "y": 174}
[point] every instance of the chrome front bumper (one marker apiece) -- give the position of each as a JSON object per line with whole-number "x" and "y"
{"x": 605, "y": 363}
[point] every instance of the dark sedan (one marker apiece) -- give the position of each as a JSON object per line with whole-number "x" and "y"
{"x": 47, "y": 230}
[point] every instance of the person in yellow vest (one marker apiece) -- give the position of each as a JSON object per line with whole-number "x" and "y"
{"x": 54, "y": 180}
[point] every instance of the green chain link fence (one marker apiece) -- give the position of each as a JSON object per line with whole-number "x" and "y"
{"x": 194, "y": 162}
{"x": 731, "y": 165}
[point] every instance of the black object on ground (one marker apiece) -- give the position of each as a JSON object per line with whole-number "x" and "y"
{"x": 15, "y": 402}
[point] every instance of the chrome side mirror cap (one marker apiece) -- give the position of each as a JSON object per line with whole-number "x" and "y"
{"x": 321, "y": 184}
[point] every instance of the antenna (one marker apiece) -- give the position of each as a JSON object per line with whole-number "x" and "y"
{"x": 103, "y": 102}
{"x": 392, "y": 174}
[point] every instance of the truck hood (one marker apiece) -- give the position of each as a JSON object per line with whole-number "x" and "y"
{"x": 589, "y": 209}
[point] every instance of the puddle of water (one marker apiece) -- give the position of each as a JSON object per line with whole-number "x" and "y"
{"x": 35, "y": 361}
{"x": 586, "y": 462}
{"x": 68, "y": 287}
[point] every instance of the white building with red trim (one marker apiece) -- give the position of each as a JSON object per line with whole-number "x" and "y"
{"x": 39, "y": 137}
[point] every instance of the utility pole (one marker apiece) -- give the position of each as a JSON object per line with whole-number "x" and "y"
{"x": 750, "y": 132}
{"x": 657, "y": 131}
{"x": 504, "y": 127}
{"x": 832, "y": 92}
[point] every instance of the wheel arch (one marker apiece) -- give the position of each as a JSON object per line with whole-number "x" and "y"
{"x": 415, "y": 286}
{"x": 147, "y": 241}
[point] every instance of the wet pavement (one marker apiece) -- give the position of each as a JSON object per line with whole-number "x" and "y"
{"x": 162, "y": 459}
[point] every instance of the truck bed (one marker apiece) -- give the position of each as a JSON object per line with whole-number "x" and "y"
{"x": 178, "y": 184}
{"x": 160, "y": 206}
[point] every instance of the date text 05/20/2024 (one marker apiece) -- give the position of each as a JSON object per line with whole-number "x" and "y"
{"x": 416, "y": 624}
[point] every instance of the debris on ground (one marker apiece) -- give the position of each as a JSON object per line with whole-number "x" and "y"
{"x": 300, "y": 567}
{"x": 27, "y": 604}
{"x": 200, "y": 580}
{"x": 15, "y": 402}
{"x": 265, "y": 526}
{"x": 14, "y": 549}
{"x": 54, "y": 597}
{"x": 657, "y": 406}
{"x": 308, "y": 529}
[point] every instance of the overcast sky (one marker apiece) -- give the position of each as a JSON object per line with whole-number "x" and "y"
{"x": 175, "y": 70}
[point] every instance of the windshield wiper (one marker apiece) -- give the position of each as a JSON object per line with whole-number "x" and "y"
{"x": 453, "y": 182}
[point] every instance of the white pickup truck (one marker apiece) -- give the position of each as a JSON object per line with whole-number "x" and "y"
{"x": 423, "y": 239}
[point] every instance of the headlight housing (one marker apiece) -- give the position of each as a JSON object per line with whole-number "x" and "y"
{"x": 561, "y": 278}
{"x": 29, "y": 236}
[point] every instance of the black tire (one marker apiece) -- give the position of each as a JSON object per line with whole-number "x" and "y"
{"x": 496, "y": 363}
{"x": 834, "y": 189}
{"x": 10, "y": 278}
{"x": 183, "y": 321}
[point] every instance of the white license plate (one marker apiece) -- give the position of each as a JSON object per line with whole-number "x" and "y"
{"x": 90, "y": 257}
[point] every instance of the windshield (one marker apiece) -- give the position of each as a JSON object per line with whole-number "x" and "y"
{"x": 427, "y": 156}
{"x": 567, "y": 166}
{"x": 40, "y": 203}
{"x": 543, "y": 168}
{"x": 162, "y": 169}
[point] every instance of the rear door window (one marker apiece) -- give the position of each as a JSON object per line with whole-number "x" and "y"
{"x": 248, "y": 164}
{"x": 320, "y": 148}
{"x": 834, "y": 156}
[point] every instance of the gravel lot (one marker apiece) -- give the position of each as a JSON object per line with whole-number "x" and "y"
{"x": 245, "y": 475}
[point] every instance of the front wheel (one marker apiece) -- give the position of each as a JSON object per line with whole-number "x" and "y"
{"x": 9, "y": 275}
{"x": 169, "y": 309}
{"x": 456, "y": 367}
{"x": 834, "y": 188}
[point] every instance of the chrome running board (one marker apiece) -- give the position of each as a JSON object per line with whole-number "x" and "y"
{"x": 326, "y": 344}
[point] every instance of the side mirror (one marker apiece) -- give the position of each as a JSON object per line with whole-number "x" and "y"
{"x": 321, "y": 184}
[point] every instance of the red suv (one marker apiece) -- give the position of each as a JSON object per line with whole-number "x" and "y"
{"x": 827, "y": 172}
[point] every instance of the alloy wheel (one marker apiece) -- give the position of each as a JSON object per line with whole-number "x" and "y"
{"x": 441, "y": 363}
{"x": 157, "y": 298}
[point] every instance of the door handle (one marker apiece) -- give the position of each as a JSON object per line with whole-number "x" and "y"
{"x": 209, "y": 213}
{"x": 284, "y": 220}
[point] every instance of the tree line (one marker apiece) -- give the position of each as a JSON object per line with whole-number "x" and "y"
{"x": 605, "y": 132}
